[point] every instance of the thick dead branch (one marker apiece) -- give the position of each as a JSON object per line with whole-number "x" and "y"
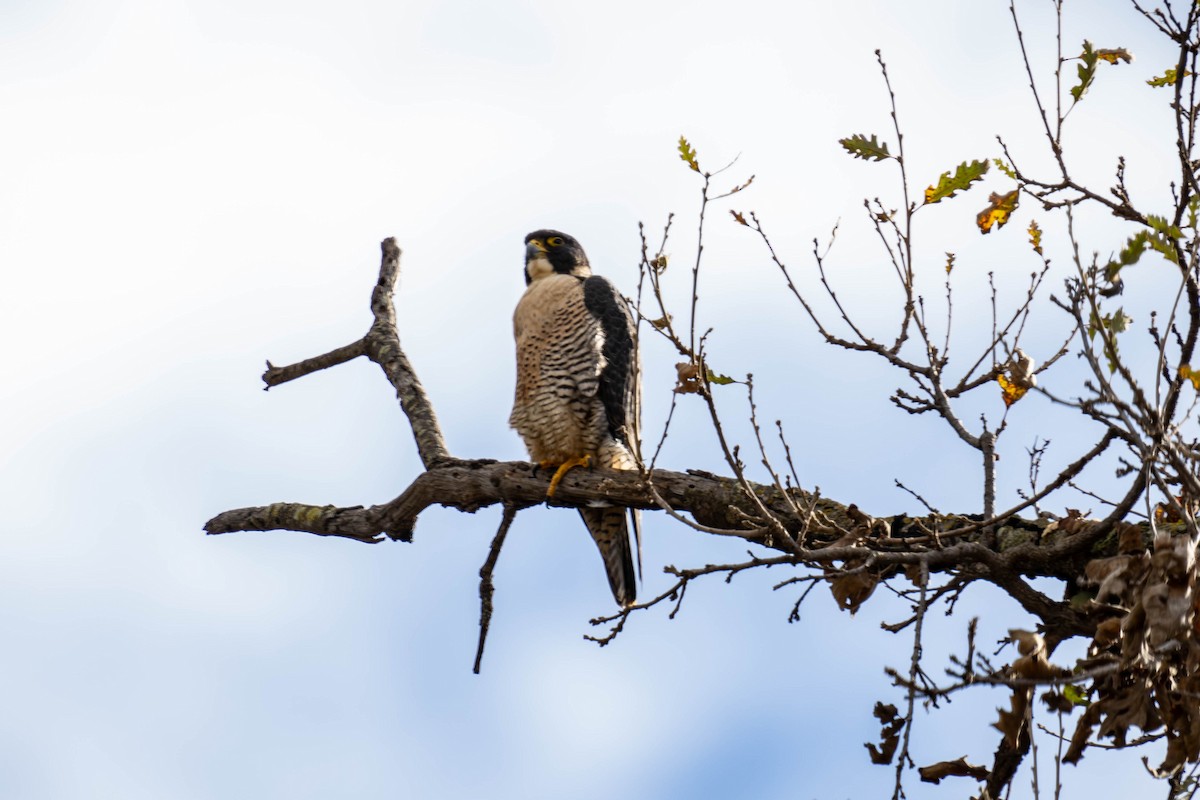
{"x": 382, "y": 345}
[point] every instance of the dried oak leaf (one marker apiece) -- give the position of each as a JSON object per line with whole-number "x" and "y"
{"x": 851, "y": 591}
{"x": 1115, "y": 575}
{"x": 1130, "y": 539}
{"x": 1022, "y": 368}
{"x": 1168, "y": 612}
{"x": 1130, "y": 706}
{"x": 1183, "y": 727}
{"x": 1028, "y": 643}
{"x": 688, "y": 378}
{"x": 1012, "y": 720}
{"x": 891, "y": 723}
{"x": 1108, "y": 633}
{"x": 958, "y": 768}
{"x": 1032, "y": 665}
{"x": 1174, "y": 557}
{"x": 1058, "y": 702}
{"x": 1074, "y": 522}
{"x": 1083, "y": 734}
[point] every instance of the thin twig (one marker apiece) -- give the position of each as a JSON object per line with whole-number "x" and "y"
{"x": 486, "y": 588}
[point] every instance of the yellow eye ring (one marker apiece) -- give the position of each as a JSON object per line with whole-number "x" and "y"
{"x": 554, "y": 241}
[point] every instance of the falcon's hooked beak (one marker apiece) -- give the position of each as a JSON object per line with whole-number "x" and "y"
{"x": 536, "y": 263}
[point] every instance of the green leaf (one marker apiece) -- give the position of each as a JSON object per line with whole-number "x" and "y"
{"x": 1161, "y": 238}
{"x": 1161, "y": 225}
{"x": 1169, "y": 78}
{"x": 1129, "y": 255}
{"x": 871, "y": 149}
{"x": 1075, "y": 694}
{"x": 720, "y": 380}
{"x": 1117, "y": 322}
{"x": 1003, "y": 166}
{"x": 688, "y": 154}
{"x": 1086, "y": 71}
{"x": 947, "y": 185}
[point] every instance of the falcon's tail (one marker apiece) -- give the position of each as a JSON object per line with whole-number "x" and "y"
{"x": 611, "y": 534}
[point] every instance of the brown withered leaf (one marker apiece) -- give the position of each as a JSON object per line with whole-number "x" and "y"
{"x": 739, "y": 218}
{"x": 1177, "y": 756}
{"x": 1114, "y": 576}
{"x": 851, "y": 591}
{"x": 1168, "y": 612}
{"x": 1083, "y": 734}
{"x": 1028, "y": 643}
{"x": 1174, "y": 558}
{"x": 1129, "y": 707}
{"x": 688, "y": 378}
{"x": 1108, "y": 633}
{"x": 1057, "y": 702}
{"x": 1012, "y": 720}
{"x": 1074, "y": 522}
{"x": 1164, "y": 513}
{"x": 891, "y": 723}
{"x": 885, "y": 712}
{"x": 958, "y": 768}
{"x": 1022, "y": 369}
{"x": 1033, "y": 663}
{"x": 1130, "y": 539}
{"x": 915, "y": 574}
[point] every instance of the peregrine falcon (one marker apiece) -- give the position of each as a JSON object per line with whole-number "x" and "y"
{"x": 578, "y": 385}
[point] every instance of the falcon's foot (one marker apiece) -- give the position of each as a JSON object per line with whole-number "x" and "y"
{"x": 563, "y": 469}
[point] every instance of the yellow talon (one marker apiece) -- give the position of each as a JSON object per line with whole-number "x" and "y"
{"x": 563, "y": 469}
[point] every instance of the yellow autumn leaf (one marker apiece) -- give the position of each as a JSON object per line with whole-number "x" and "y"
{"x": 1112, "y": 55}
{"x": 1188, "y": 374}
{"x": 999, "y": 209}
{"x": 1010, "y": 391}
{"x": 1035, "y": 237}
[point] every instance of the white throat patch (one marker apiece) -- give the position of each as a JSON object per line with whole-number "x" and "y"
{"x": 538, "y": 267}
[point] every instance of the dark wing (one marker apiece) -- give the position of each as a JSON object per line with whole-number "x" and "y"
{"x": 621, "y": 393}
{"x": 620, "y": 380}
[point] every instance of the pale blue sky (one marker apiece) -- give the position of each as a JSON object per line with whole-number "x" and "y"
{"x": 188, "y": 189}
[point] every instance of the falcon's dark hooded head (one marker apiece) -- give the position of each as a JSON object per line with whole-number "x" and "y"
{"x": 548, "y": 252}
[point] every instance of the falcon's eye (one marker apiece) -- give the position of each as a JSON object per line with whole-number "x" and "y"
{"x": 554, "y": 241}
